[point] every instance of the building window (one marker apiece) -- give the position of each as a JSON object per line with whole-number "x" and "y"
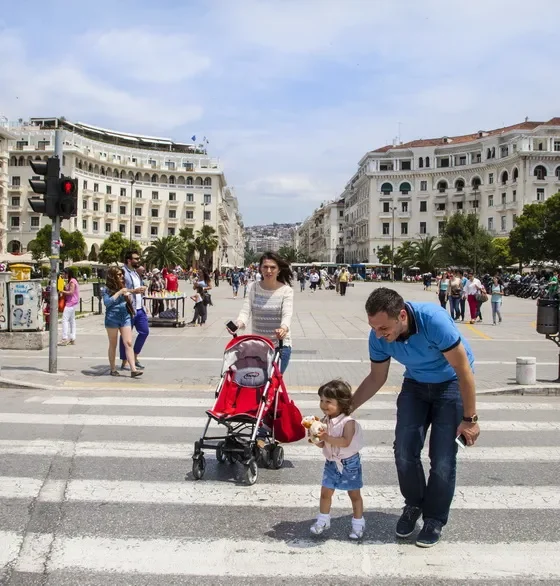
{"x": 540, "y": 172}
{"x": 137, "y": 211}
{"x": 139, "y": 194}
{"x": 123, "y": 191}
{"x": 108, "y": 208}
{"x": 557, "y": 145}
{"x": 490, "y": 178}
{"x": 514, "y": 219}
{"x": 341, "y": 213}
{"x": 35, "y": 221}
{"x": 490, "y": 201}
{"x": 444, "y": 162}
{"x": 514, "y": 195}
{"x": 440, "y": 207}
{"x": 172, "y": 197}
{"x": 422, "y": 227}
{"x": 406, "y": 166}
{"x": 386, "y": 188}
{"x": 504, "y": 151}
{"x": 404, "y": 228}
{"x": 84, "y": 204}
{"x": 84, "y": 184}
{"x": 155, "y": 213}
{"x": 503, "y": 223}
{"x": 170, "y": 165}
{"x": 155, "y": 195}
{"x": 459, "y": 205}
{"x": 420, "y": 162}
{"x": 474, "y": 204}
{"x": 423, "y": 186}
{"x": 190, "y": 197}
{"x": 207, "y": 216}
{"x": 96, "y": 187}
{"x": 515, "y": 174}
{"x": 504, "y": 198}
{"x": 423, "y": 206}
{"x": 138, "y": 230}
{"x": 386, "y": 228}
{"x": 16, "y": 201}
{"x": 189, "y": 215}
{"x": 442, "y": 186}
{"x": 108, "y": 190}
{"x": 188, "y": 166}
{"x": 84, "y": 225}
{"x": 108, "y": 227}
{"x": 207, "y": 198}
{"x": 540, "y": 194}
{"x": 154, "y": 231}
{"x": 386, "y": 207}
{"x": 122, "y": 210}
{"x": 171, "y": 231}
{"x": 95, "y": 225}
{"x": 490, "y": 223}
{"x": 121, "y": 228}
{"x": 404, "y": 206}
{"x": 441, "y": 227}
{"x": 95, "y": 206}
{"x": 427, "y": 161}
{"x": 172, "y": 214}
{"x": 16, "y": 181}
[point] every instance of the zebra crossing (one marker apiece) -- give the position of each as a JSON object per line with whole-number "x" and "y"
{"x": 93, "y": 491}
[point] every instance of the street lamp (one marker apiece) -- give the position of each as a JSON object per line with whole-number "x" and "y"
{"x": 393, "y": 210}
{"x": 475, "y": 235}
{"x": 132, "y": 182}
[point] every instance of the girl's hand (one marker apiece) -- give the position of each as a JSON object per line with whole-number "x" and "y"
{"x": 323, "y": 436}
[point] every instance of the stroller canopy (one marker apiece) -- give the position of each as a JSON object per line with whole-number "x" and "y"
{"x": 250, "y": 359}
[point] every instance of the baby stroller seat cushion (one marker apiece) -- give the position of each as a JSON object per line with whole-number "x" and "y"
{"x": 249, "y": 371}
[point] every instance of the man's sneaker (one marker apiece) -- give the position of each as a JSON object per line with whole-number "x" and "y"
{"x": 140, "y": 366}
{"x": 429, "y": 534}
{"x": 407, "y": 523}
{"x": 319, "y": 527}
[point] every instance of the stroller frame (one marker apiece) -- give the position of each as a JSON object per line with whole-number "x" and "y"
{"x": 242, "y": 442}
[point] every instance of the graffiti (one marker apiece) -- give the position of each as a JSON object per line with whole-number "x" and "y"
{"x": 25, "y": 305}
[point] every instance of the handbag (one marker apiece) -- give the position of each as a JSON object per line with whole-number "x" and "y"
{"x": 287, "y": 425}
{"x": 61, "y": 302}
{"x": 481, "y": 296}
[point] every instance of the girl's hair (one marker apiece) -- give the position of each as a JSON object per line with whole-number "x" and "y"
{"x": 112, "y": 281}
{"x": 284, "y": 272}
{"x": 70, "y": 273}
{"x": 200, "y": 290}
{"x": 341, "y": 392}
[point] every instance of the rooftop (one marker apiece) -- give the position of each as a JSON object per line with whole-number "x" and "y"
{"x": 453, "y": 140}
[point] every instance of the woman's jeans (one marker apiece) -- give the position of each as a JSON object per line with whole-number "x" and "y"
{"x": 496, "y": 310}
{"x": 285, "y": 353}
{"x": 454, "y": 303}
{"x": 443, "y": 299}
{"x": 419, "y": 406}
{"x": 69, "y": 323}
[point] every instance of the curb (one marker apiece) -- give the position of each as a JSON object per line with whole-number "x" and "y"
{"x": 548, "y": 389}
{"x": 16, "y": 384}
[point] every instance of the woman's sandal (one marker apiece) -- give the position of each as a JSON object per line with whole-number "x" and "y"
{"x": 136, "y": 373}
{"x": 115, "y": 373}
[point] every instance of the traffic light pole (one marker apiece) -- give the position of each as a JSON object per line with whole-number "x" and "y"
{"x": 55, "y": 259}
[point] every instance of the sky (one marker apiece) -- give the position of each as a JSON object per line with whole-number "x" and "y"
{"x": 289, "y": 93}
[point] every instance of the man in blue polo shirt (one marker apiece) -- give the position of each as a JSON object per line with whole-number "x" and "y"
{"x": 438, "y": 391}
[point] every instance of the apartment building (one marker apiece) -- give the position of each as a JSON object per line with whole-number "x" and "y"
{"x": 5, "y": 136}
{"x": 320, "y": 237}
{"x": 407, "y": 191}
{"x": 141, "y": 186}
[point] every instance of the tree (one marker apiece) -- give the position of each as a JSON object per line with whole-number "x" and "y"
{"x": 501, "y": 254}
{"x": 426, "y": 254}
{"x": 73, "y": 244}
{"x": 289, "y": 254}
{"x": 168, "y": 251}
{"x": 250, "y": 256}
{"x": 115, "y": 247}
{"x": 404, "y": 256}
{"x": 206, "y": 241}
{"x": 187, "y": 235}
{"x": 385, "y": 255}
{"x": 92, "y": 256}
{"x": 464, "y": 243}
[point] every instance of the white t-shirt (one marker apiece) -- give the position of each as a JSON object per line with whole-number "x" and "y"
{"x": 472, "y": 287}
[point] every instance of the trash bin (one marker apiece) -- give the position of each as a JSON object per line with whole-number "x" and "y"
{"x": 21, "y": 272}
{"x": 547, "y": 316}
{"x": 97, "y": 290}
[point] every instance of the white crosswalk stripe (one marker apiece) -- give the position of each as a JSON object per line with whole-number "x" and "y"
{"x": 95, "y": 462}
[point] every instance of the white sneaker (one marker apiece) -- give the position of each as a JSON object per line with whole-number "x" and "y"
{"x": 319, "y": 527}
{"x": 357, "y": 531}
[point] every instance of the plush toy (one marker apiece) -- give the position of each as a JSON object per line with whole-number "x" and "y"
{"x": 314, "y": 425}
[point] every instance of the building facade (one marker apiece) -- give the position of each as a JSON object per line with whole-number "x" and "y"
{"x": 407, "y": 191}
{"x": 143, "y": 187}
{"x": 320, "y": 237}
{"x": 5, "y": 136}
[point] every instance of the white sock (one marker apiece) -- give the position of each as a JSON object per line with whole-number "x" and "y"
{"x": 361, "y": 522}
{"x": 323, "y": 518}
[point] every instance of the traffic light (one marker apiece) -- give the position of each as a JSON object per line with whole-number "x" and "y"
{"x": 49, "y": 186}
{"x": 68, "y": 198}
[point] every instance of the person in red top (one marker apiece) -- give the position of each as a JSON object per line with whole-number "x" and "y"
{"x": 171, "y": 281}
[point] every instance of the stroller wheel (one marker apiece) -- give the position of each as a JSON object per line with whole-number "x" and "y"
{"x": 277, "y": 457}
{"x": 220, "y": 456}
{"x": 251, "y": 472}
{"x": 199, "y": 467}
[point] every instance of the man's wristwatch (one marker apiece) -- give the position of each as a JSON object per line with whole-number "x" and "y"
{"x": 472, "y": 419}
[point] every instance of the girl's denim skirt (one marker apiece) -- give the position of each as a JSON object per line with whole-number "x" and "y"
{"x": 349, "y": 479}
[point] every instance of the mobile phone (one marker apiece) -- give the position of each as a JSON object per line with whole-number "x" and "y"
{"x": 461, "y": 440}
{"x": 231, "y": 326}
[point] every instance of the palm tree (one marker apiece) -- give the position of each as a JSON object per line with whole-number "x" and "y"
{"x": 187, "y": 235}
{"x": 206, "y": 242}
{"x": 405, "y": 255}
{"x": 426, "y": 253}
{"x": 168, "y": 251}
{"x": 290, "y": 254}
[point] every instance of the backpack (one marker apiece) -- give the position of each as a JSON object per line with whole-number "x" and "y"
{"x": 206, "y": 299}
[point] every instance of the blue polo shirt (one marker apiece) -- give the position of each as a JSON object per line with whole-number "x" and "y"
{"x": 432, "y": 332}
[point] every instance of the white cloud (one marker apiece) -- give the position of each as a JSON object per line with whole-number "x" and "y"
{"x": 147, "y": 55}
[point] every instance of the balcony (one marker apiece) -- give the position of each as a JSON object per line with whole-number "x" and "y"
{"x": 500, "y": 207}
{"x": 111, "y": 196}
{"x": 440, "y": 195}
{"x": 15, "y": 188}
{"x": 440, "y": 213}
{"x": 386, "y": 195}
{"x": 110, "y": 215}
{"x": 15, "y": 207}
{"x": 156, "y": 202}
{"x": 173, "y": 203}
{"x": 404, "y": 215}
{"x": 386, "y": 215}
{"x": 97, "y": 195}
{"x": 172, "y": 220}
{"x": 511, "y": 205}
{"x": 155, "y": 219}
{"x": 86, "y": 212}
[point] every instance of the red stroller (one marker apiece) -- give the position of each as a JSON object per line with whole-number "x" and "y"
{"x": 253, "y": 405}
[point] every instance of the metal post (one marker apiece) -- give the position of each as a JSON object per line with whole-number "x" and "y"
{"x": 475, "y": 228}
{"x": 393, "y": 246}
{"x": 132, "y": 182}
{"x": 55, "y": 258}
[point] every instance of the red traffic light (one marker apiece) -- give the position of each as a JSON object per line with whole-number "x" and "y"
{"x": 67, "y": 186}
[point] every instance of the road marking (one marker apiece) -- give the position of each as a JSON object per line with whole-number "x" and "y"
{"x": 207, "y": 402}
{"x": 478, "y": 332}
{"x": 294, "y": 558}
{"x": 297, "y": 452}
{"x": 200, "y": 422}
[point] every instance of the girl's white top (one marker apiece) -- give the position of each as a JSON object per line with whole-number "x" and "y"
{"x": 335, "y": 428}
{"x": 269, "y": 310}
{"x": 472, "y": 287}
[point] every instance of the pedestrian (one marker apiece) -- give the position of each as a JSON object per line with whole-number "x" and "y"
{"x": 552, "y": 285}
{"x": 216, "y": 277}
{"x": 199, "y": 316}
{"x": 118, "y": 301}
{"x": 473, "y": 289}
{"x": 341, "y": 442}
{"x": 156, "y": 286}
{"x": 314, "y": 279}
{"x": 455, "y": 293}
{"x": 343, "y": 281}
{"x": 301, "y": 279}
{"x": 71, "y": 294}
{"x": 235, "y": 278}
{"x": 443, "y": 289}
{"x": 497, "y": 298}
{"x": 438, "y": 390}
{"x": 270, "y": 303}
{"x": 134, "y": 284}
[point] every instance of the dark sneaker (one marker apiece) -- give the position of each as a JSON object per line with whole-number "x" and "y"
{"x": 429, "y": 534}
{"x": 407, "y": 523}
{"x": 140, "y": 366}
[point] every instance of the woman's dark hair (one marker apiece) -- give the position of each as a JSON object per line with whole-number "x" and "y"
{"x": 114, "y": 284}
{"x": 284, "y": 270}
{"x": 200, "y": 290}
{"x": 205, "y": 275}
{"x": 70, "y": 273}
{"x": 341, "y": 392}
{"x": 385, "y": 300}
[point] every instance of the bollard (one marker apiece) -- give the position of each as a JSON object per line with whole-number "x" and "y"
{"x": 526, "y": 370}
{"x": 92, "y": 305}
{"x": 81, "y": 306}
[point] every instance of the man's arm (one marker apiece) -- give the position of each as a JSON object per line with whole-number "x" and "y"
{"x": 459, "y": 360}
{"x": 372, "y": 383}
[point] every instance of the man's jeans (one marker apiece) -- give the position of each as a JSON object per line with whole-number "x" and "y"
{"x": 420, "y": 405}
{"x": 140, "y": 322}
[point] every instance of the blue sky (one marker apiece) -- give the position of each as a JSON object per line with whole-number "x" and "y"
{"x": 290, "y": 93}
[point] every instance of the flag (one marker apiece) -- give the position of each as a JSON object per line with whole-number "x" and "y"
{"x": 193, "y": 137}
{"x": 205, "y": 140}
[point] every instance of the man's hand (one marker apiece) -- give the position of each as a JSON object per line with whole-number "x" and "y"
{"x": 471, "y": 431}
{"x": 139, "y": 290}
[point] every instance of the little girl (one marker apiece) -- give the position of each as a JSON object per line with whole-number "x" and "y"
{"x": 341, "y": 443}
{"x": 199, "y": 308}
